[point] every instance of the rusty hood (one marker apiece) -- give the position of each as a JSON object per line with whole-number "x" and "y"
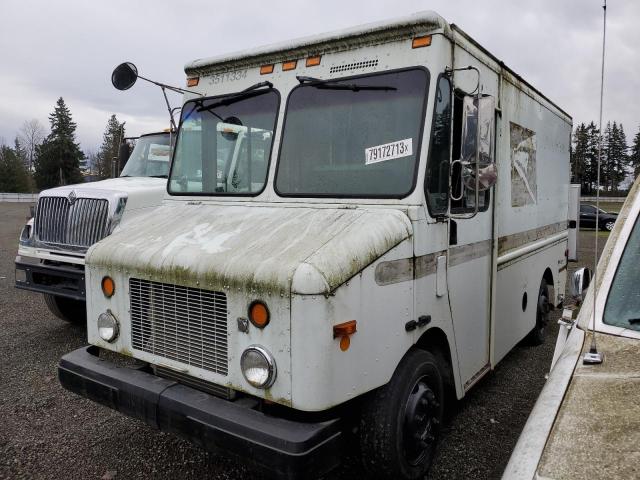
{"x": 259, "y": 248}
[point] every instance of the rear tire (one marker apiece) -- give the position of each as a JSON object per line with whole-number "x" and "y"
{"x": 400, "y": 422}
{"x": 608, "y": 226}
{"x": 67, "y": 309}
{"x": 543, "y": 307}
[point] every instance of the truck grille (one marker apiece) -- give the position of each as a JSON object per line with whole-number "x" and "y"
{"x": 185, "y": 324}
{"x": 78, "y": 224}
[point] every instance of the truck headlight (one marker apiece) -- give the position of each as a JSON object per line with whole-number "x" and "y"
{"x": 108, "y": 327}
{"x": 258, "y": 366}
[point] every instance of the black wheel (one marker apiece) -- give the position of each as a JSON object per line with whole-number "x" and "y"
{"x": 543, "y": 307}
{"x": 400, "y": 422}
{"x": 608, "y": 225}
{"x": 67, "y": 309}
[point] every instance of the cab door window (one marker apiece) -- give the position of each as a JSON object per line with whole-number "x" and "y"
{"x": 437, "y": 173}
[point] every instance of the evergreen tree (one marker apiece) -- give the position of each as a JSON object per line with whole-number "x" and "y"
{"x": 113, "y": 133}
{"x": 58, "y": 158}
{"x": 614, "y": 157}
{"x": 13, "y": 174}
{"x": 591, "y": 158}
{"x": 20, "y": 152}
{"x": 579, "y": 156}
{"x": 634, "y": 157}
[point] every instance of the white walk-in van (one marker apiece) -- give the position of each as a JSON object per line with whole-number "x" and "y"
{"x": 359, "y": 225}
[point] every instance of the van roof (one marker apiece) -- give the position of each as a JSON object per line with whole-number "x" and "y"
{"x": 346, "y": 39}
{"x": 339, "y": 40}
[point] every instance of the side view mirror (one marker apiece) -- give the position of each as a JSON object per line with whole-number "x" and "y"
{"x": 479, "y": 171}
{"x": 124, "y": 76}
{"x": 579, "y": 283}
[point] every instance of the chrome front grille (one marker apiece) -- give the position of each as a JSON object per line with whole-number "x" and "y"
{"x": 80, "y": 223}
{"x": 188, "y": 325}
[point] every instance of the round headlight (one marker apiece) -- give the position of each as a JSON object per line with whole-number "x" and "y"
{"x": 258, "y": 366}
{"x": 108, "y": 327}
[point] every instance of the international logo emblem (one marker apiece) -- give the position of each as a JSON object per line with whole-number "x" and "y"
{"x": 72, "y": 197}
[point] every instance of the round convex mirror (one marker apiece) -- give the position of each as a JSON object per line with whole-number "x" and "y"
{"x": 124, "y": 76}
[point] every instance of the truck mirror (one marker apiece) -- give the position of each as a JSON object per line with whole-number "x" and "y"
{"x": 124, "y": 76}
{"x": 579, "y": 283}
{"x": 478, "y": 127}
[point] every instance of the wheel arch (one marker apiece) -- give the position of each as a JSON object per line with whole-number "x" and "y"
{"x": 435, "y": 341}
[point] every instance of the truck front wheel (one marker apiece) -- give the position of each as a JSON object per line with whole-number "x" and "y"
{"x": 67, "y": 309}
{"x": 400, "y": 422}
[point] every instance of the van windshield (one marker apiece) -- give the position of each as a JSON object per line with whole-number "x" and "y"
{"x": 353, "y": 137}
{"x": 150, "y": 157}
{"x": 224, "y": 144}
{"x": 623, "y": 303}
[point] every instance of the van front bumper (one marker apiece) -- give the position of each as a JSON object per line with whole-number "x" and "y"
{"x": 277, "y": 446}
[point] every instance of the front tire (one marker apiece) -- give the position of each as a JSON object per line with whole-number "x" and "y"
{"x": 67, "y": 309}
{"x": 400, "y": 422}
{"x": 608, "y": 225}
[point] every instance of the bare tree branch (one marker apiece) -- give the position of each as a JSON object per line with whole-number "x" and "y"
{"x": 31, "y": 135}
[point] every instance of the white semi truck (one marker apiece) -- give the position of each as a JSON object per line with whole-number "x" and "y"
{"x": 350, "y": 266}
{"x": 69, "y": 219}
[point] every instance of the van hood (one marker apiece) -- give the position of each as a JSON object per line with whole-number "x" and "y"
{"x": 141, "y": 192}
{"x": 258, "y": 248}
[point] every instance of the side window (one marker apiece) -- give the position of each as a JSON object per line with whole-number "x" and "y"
{"x": 437, "y": 174}
{"x": 468, "y": 200}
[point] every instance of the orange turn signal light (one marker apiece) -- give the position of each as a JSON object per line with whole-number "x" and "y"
{"x": 290, "y": 65}
{"x": 259, "y": 314}
{"x": 313, "y": 61}
{"x": 419, "y": 42}
{"x": 265, "y": 69}
{"x": 344, "y": 329}
{"x": 193, "y": 81}
{"x": 108, "y": 287}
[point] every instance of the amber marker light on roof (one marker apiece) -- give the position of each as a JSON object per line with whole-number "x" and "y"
{"x": 193, "y": 81}
{"x": 290, "y": 65}
{"x": 108, "y": 287}
{"x": 313, "y": 61}
{"x": 259, "y": 314}
{"x": 421, "y": 41}
{"x": 265, "y": 69}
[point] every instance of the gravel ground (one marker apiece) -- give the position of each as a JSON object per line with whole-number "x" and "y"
{"x": 49, "y": 433}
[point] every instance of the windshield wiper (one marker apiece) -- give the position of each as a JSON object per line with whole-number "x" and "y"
{"x": 158, "y": 176}
{"x": 332, "y": 84}
{"x": 633, "y": 321}
{"x": 252, "y": 91}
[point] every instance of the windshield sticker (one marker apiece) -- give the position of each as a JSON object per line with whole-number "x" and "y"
{"x": 159, "y": 153}
{"x": 388, "y": 151}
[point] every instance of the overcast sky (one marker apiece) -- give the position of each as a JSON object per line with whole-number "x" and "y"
{"x": 68, "y": 48}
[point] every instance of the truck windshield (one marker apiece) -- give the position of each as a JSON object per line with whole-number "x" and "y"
{"x": 353, "y": 137}
{"x": 224, "y": 144}
{"x": 623, "y": 303}
{"x": 149, "y": 158}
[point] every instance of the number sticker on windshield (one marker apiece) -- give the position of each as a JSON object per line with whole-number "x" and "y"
{"x": 388, "y": 151}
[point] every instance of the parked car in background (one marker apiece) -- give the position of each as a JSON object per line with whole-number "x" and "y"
{"x": 586, "y": 422}
{"x": 606, "y": 220}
